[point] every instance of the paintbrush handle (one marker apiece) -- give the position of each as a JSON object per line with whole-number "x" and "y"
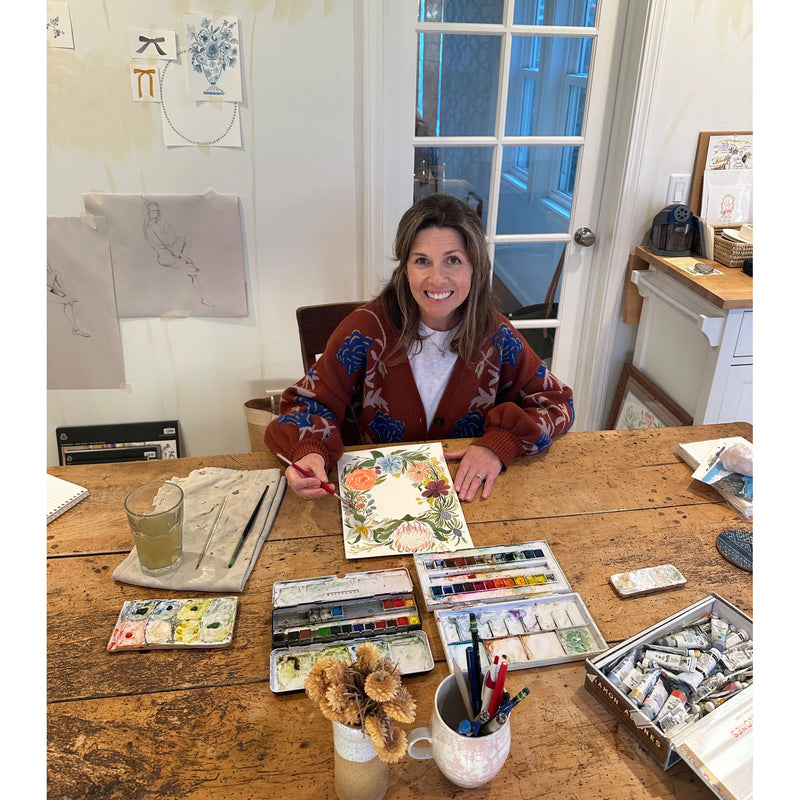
{"x": 306, "y": 474}
{"x": 213, "y": 528}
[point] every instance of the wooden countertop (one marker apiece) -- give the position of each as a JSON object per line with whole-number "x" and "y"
{"x": 204, "y": 724}
{"x": 731, "y": 289}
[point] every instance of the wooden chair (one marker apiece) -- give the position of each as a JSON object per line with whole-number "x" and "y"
{"x": 316, "y": 324}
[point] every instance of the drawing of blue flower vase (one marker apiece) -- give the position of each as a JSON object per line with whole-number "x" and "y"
{"x": 212, "y": 51}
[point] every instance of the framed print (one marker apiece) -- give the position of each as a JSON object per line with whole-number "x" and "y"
{"x": 639, "y": 403}
{"x": 718, "y": 150}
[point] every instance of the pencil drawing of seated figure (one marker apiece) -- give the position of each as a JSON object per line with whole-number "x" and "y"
{"x": 57, "y": 293}
{"x": 170, "y": 247}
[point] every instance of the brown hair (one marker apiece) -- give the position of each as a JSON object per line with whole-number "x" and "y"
{"x": 477, "y": 312}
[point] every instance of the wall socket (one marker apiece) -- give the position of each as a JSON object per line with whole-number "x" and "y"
{"x": 678, "y": 188}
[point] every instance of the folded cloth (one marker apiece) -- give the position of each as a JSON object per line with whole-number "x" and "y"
{"x": 204, "y": 490}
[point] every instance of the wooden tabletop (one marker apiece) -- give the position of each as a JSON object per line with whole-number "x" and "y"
{"x": 204, "y": 724}
{"x": 730, "y": 289}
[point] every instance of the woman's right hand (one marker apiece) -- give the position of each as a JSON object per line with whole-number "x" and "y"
{"x": 308, "y": 488}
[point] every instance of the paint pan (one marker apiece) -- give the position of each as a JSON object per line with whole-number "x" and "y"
{"x": 489, "y": 574}
{"x": 332, "y": 616}
{"x": 163, "y": 624}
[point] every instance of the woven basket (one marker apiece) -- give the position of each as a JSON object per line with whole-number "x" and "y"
{"x": 731, "y": 254}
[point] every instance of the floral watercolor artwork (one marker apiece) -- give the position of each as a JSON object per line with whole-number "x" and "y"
{"x": 213, "y": 58}
{"x": 403, "y": 501}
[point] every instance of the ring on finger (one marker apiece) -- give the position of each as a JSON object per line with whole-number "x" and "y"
{"x": 480, "y": 477}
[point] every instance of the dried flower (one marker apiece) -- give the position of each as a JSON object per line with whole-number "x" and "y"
{"x": 367, "y": 694}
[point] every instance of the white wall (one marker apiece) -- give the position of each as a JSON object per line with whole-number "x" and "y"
{"x": 704, "y": 82}
{"x": 297, "y": 175}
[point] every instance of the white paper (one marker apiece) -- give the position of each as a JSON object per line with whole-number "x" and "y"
{"x": 727, "y": 197}
{"x": 145, "y": 83}
{"x": 149, "y": 43}
{"x": 403, "y": 502}
{"x": 213, "y": 62}
{"x": 84, "y": 348}
{"x": 178, "y": 255}
{"x": 59, "y": 26}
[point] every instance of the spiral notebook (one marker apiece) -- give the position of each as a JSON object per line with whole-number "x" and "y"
{"x": 62, "y": 495}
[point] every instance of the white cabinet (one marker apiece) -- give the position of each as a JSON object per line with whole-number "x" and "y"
{"x": 699, "y": 353}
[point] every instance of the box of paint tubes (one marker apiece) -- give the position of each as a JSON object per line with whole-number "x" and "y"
{"x": 524, "y": 611}
{"x": 683, "y": 689}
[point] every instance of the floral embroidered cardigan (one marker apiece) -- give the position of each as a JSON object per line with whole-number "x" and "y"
{"x": 508, "y": 402}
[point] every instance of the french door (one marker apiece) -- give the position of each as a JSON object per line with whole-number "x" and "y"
{"x": 506, "y": 104}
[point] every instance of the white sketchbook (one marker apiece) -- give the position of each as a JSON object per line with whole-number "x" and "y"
{"x": 62, "y": 495}
{"x": 402, "y": 502}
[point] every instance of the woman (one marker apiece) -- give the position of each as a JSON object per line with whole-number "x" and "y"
{"x": 429, "y": 359}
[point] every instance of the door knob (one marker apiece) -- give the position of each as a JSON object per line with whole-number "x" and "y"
{"x": 585, "y": 237}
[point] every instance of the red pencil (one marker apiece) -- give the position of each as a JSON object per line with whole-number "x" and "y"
{"x": 499, "y": 688}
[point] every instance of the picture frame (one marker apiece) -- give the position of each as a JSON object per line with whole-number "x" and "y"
{"x": 696, "y": 190}
{"x": 639, "y": 403}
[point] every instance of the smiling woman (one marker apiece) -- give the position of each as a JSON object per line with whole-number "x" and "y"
{"x": 430, "y": 358}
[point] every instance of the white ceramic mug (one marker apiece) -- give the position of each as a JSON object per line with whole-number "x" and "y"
{"x": 466, "y": 761}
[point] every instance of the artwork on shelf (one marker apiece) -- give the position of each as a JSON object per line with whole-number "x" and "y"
{"x": 719, "y": 150}
{"x": 84, "y": 348}
{"x": 639, "y": 403}
{"x": 175, "y": 255}
{"x": 403, "y": 502}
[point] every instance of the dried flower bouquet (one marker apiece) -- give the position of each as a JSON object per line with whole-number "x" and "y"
{"x": 366, "y": 694}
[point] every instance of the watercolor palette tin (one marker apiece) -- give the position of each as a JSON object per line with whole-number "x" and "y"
{"x": 332, "y": 616}
{"x": 719, "y": 745}
{"x": 481, "y": 574}
{"x": 161, "y": 624}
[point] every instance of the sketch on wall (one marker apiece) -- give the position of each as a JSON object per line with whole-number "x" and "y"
{"x": 212, "y": 55}
{"x": 84, "y": 349}
{"x": 59, "y": 26}
{"x": 175, "y": 255}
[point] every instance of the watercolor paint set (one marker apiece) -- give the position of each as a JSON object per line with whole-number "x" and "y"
{"x": 160, "y": 624}
{"x": 481, "y": 574}
{"x": 683, "y": 689}
{"x": 332, "y": 616}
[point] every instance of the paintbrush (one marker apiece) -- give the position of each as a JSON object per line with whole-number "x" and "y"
{"x": 305, "y": 473}
{"x": 247, "y": 527}
{"x": 213, "y": 528}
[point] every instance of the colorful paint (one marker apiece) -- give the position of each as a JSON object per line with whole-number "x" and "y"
{"x": 336, "y": 614}
{"x": 154, "y": 624}
{"x": 528, "y": 633}
{"x": 493, "y": 573}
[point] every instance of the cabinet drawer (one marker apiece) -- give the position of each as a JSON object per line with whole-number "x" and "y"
{"x": 744, "y": 341}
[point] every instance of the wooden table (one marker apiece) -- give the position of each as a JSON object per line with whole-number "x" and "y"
{"x": 205, "y": 724}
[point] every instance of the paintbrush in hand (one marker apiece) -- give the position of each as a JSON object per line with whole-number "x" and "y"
{"x": 305, "y": 473}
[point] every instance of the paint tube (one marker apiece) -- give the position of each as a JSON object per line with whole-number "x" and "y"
{"x": 687, "y": 638}
{"x": 736, "y": 638}
{"x": 654, "y": 701}
{"x": 670, "y": 660}
{"x": 638, "y": 693}
{"x": 673, "y": 711}
{"x": 622, "y": 668}
{"x": 630, "y": 680}
{"x": 691, "y": 679}
{"x": 707, "y": 661}
{"x": 719, "y": 632}
{"x": 738, "y": 657}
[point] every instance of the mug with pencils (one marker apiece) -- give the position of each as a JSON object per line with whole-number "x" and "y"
{"x": 466, "y": 757}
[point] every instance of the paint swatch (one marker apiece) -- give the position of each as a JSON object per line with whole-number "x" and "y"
{"x": 528, "y": 632}
{"x": 493, "y": 573}
{"x": 336, "y": 615}
{"x": 160, "y": 624}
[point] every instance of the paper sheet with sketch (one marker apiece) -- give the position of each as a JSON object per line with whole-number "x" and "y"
{"x": 403, "y": 501}
{"x": 84, "y": 349}
{"x": 175, "y": 255}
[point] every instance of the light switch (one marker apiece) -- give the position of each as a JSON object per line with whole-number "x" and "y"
{"x": 678, "y": 189}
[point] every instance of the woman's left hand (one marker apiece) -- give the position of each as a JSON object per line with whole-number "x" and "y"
{"x": 479, "y": 465}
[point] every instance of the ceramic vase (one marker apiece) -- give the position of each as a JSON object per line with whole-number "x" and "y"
{"x": 358, "y": 772}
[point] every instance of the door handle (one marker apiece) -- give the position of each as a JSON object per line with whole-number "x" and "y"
{"x": 585, "y": 237}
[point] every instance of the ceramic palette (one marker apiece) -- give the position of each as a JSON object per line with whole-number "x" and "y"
{"x": 494, "y": 573}
{"x": 192, "y": 623}
{"x": 332, "y": 616}
{"x": 531, "y": 632}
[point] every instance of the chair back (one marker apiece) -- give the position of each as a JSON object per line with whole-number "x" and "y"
{"x": 316, "y": 324}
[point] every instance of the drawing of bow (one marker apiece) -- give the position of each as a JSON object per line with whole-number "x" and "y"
{"x": 149, "y": 73}
{"x": 147, "y": 41}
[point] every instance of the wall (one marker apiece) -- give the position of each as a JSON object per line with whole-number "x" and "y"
{"x": 296, "y": 174}
{"x": 704, "y": 82}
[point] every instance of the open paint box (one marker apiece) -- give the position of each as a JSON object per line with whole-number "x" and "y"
{"x": 717, "y": 746}
{"x": 523, "y": 604}
{"x": 332, "y": 616}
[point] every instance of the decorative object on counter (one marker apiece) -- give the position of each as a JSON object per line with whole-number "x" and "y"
{"x": 365, "y": 700}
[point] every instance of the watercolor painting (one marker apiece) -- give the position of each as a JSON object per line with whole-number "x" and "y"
{"x": 145, "y": 86}
{"x": 403, "y": 501}
{"x": 213, "y": 58}
{"x": 59, "y": 26}
{"x": 152, "y": 43}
